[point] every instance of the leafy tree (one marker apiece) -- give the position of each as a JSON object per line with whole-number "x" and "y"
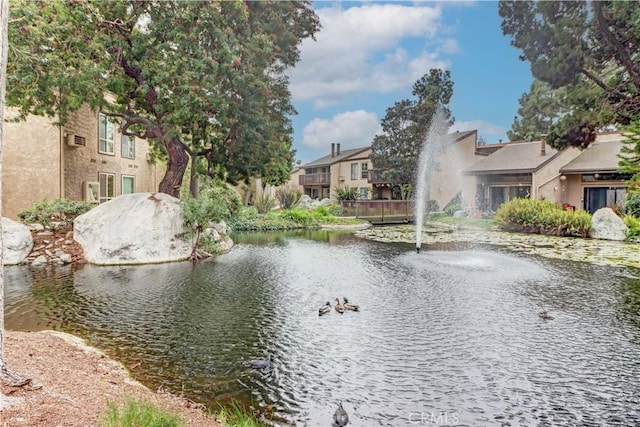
{"x": 630, "y": 156}
{"x": 588, "y": 48}
{"x": 197, "y": 78}
{"x": 7, "y": 376}
{"x": 405, "y": 128}
{"x": 539, "y": 109}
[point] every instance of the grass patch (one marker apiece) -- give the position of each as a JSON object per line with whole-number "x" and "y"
{"x": 237, "y": 416}
{"x": 138, "y": 414}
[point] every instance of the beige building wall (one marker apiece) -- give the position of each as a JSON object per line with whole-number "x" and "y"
{"x": 546, "y": 182}
{"x": 448, "y": 179}
{"x": 41, "y": 161}
{"x": 31, "y": 163}
{"x": 85, "y": 163}
{"x": 341, "y": 173}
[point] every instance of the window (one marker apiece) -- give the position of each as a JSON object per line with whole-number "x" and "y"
{"x": 365, "y": 170}
{"x": 106, "y": 134}
{"x": 107, "y": 187}
{"x": 128, "y": 147}
{"x": 364, "y": 193}
{"x": 128, "y": 184}
{"x": 354, "y": 171}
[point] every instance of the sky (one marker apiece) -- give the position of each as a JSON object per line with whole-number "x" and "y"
{"x": 368, "y": 55}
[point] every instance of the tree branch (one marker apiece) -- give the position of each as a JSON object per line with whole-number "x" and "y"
{"x": 622, "y": 53}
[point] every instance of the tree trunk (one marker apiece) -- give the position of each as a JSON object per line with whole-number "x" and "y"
{"x": 194, "y": 185}
{"x": 6, "y": 376}
{"x": 176, "y": 167}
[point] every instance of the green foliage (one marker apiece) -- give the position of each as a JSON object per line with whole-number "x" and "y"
{"x": 451, "y": 208}
{"x": 302, "y": 216}
{"x": 250, "y": 220}
{"x": 138, "y": 414}
{"x": 264, "y": 202}
{"x": 346, "y": 193}
{"x": 58, "y": 210}
{"x": 406, "y": 124}
{"x": 587, "y": 48}
{"x": 632, "y": 204}
{"x": 224, "y": 195}
{"x": 542, "y": 217}
{"x": 194, "y": 61}
{"x": 539, "y": 108}
{"x": 288, "y": 197}
{"x": 199, "y": 212}
{"x": 236, "y": 415}
{"x": 630, "y": 162}
{"x": 633, "y": 223}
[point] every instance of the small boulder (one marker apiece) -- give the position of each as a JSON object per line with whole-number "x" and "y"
{"x": 17, "y": 241}
{"x": 606, "y": 225}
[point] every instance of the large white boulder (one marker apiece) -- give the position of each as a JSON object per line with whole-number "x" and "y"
{"x": 17, "y": 241}
{"x": 605, "y": 224}
{"x": 139, "y": 228}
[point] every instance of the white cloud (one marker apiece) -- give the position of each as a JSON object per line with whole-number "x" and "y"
{"x": 358, "y": 49}
{"x": 352, "y": 129}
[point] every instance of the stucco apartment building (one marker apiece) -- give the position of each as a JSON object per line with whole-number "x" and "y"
{"x": 353, "y": 168}
{"x": 340, "y": 169}
{"x": 578, "y": 179}
{"x": 86, "y": 159}
{"x": 483, "y": 176}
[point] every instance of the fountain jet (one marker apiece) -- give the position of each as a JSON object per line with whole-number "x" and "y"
{"x": 432, "y": 145}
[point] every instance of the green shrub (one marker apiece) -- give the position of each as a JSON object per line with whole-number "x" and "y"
{"x": 632, "y": 204}
{"x": 248, "y": 219}
{"x": 138, "y": 414}
{"x": 346, "y": 193}
{"x": 451, "y": 208}
{"x": 333, "y": 209}
{"x": 58, "y": 210}
{"x": 288, "y": 197}
{"x": 264, "y": 202}
{"x": 542, "y": 217}
{"x": 301, "y": 216}
{"x": 224, "y": 195}
{"x": 633, "y": 223}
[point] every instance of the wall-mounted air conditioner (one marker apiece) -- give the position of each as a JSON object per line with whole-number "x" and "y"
{"x": 75, "y": 141}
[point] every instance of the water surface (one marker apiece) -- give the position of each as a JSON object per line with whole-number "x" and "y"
{"x": 451, "y": 335}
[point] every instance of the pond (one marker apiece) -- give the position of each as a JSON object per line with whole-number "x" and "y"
{"x": 451, "y": 335}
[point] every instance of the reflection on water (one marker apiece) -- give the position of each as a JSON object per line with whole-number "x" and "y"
{"x": 449, "y": 335}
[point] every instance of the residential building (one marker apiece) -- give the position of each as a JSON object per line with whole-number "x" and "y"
{"x": 584, "y": 179}
{"x": 341, "y": 169}
{"x": 86, "y": 159}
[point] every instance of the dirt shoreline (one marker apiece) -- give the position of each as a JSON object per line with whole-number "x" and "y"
{"x": 74, "y": 384}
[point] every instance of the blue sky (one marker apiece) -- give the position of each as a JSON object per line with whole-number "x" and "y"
{"x": 369, "y": 54}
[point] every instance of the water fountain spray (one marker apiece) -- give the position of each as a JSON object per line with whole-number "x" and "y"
{"x": 432, "y": 145}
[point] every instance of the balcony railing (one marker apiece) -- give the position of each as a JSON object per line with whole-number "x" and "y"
{"x": 375, "y": 177}
{"x": 315, "y": 179}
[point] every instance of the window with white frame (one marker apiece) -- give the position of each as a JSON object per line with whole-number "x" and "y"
{"x": 107, "y": 186}
{"x": 106, "y": 134}
{"x": 128, "y": 147}
{"x": 128, "y": 184}
{"x": 354, "y": 171}
{"x": 364, "y": 168}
